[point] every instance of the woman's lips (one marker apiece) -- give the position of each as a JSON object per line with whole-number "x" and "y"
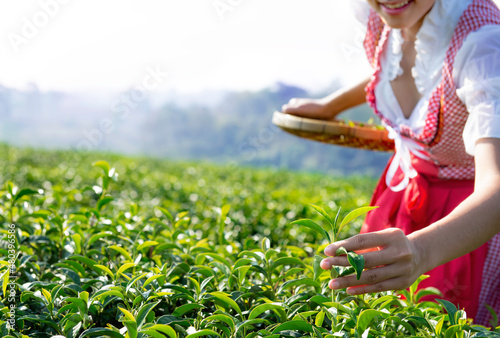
{"x": 394, "y": 8}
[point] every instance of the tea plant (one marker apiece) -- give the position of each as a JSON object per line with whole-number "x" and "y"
{"x": 139, "y": 255}
{"x": 357, "y": 261}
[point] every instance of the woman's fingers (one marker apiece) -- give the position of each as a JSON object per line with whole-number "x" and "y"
{"x": 387, "y": 285}
{"x": 372, "y": 259}
{"x": 390, "y": 277}
{"x": 295, "y": 106}
{"x": 391, "y": 262}
{"x": 369, "y": 241}
{"x": 311, "y": 108}
{"x": 380, "y": 248}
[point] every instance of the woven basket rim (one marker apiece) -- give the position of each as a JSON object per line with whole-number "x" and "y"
{"x": 352, "y": 134}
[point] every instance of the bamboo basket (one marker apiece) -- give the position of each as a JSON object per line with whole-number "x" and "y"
{"x": 351, "y": 134}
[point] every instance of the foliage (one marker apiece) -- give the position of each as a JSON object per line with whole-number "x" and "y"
{"x": 135, "y": 248}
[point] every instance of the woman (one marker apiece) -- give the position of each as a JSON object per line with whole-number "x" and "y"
{"x": 436, "y": 87}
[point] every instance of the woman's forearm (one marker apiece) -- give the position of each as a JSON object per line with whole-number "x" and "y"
{"x": 470, "y": 224}
{"x": 398, "y": 260}
{"x": 330, "y": 106}
{"x": 346, "y": 98}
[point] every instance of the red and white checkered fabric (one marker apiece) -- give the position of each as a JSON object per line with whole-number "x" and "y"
{"x": 446, "y": 117}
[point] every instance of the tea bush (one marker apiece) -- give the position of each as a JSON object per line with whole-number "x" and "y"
{"x": 136, "y": 247}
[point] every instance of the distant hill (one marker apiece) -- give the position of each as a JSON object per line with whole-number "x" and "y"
{"x": 222, "y": 127}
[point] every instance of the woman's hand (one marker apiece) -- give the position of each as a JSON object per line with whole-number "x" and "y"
{"x": 328, "y": 107}
{"x": 392, "y": 262}
{"x": 312, "y": 108}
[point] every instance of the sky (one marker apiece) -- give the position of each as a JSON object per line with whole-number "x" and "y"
{"x": 191, "y": 45}
{"x": 78, "y": 45}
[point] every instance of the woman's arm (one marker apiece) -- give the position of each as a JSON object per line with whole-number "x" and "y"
{"x": 328, "y": 107}
{"x": 402, "y": 259}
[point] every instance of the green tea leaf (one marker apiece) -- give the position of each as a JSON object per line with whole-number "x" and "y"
{"x": 103, "y": 165}
{"x": 143, "y": 313}
{"x": 131, "y": 328}
{"x": 104, "y": 201}
{"x": 353, "y": 215}
{"x": 77, "y": 239}
{"x": 265, "y": 244}
{"x": 251, "y": 323}
{"x": 356, "y": 261}
{"x": 323, "y": 213}
{"x": 450, "y": 309}
{"x": 297, "y": 282}
{"x": 366, "y": 317}
{"x": 494, "y": 316}
{"x": 125, "y": 267}
{"x": 122, "y": 251}
{"x": 147, "y": 244}
{"x": 259, "y": 309}
{"x": 105, "y": 293}
{"x": 100, "y": 331}
{"x": 134, "y": 280}
{"x": 127, "y": 314}
{"x": 334, "y": 227}
{"x": 341, "y": 251}
{"x": 151, "y": 279}
{"x": 223, "y": 318}
{"x": 257, "y": 255}
{"x": 452, "y": 331}
{"x": 320, "y": 317}
{"x": 214, "y": 256}
{"x": 105, "y": 269}
{"x": 151, "y": 333}
{"x": 316, "y": 266}
{"x": 166, "y": 213}
{"x": 334, "y": 272}
{"x": 314, "y": 226}
{"x": 183, "y": 309}
{"x": 25, "y": 192}
{"x": 297, "y": 325}
{"x": 224, "y": 298}
{"x": 201, "y": 333}
{"x": 241, "y": 262}
{"x": 429, "y": 291}
{"x": 97, "y": 236}
{"x": 5, "y": 283}
{"x": 166, "y": 329}
{"x": 286, "y": 261}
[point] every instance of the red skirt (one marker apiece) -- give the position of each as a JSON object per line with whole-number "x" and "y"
{"x": 426, "y": 200}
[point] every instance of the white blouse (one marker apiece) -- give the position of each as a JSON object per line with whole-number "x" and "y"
{"x": 476, "y": 70}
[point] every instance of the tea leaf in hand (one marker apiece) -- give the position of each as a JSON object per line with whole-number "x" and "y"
{"x": 356, "y": 261}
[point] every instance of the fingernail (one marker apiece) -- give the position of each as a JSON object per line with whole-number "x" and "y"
{"x": 328, "y": 251}
{"x": 350, "y": 291}
{"x": 325, "y": 265}
{"x": 334, "y": 284}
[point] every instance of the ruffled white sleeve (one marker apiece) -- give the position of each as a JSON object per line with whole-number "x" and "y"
{"x": 477, "y": 75}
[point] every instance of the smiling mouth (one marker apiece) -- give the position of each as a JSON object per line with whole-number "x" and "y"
{"x": 396, "y": 5}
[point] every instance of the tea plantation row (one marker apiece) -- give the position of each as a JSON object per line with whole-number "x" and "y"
{"x": 136, "y": 247}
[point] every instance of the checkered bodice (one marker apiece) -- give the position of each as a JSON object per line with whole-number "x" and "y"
{"x": 441, "y": 136}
